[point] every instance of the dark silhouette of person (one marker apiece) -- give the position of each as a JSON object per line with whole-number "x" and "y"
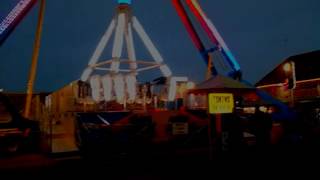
{"x": 233, "y": 126}
{"x": 262, "y": 127}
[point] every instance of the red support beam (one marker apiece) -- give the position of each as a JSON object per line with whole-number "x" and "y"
{"x": 202, "y": 21}
{"x": 188, "y": 25}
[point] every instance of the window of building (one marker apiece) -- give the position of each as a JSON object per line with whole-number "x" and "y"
{"x": 5, "y": 116}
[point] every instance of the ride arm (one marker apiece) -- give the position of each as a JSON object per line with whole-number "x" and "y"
{"x": 193, "y": 34}
{"x": 215, "y": 37}
{"x": 9, "y": 23}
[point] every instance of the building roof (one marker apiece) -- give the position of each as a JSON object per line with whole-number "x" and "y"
{"x": 307, "y": 66}
{"x": 220, "y": 82}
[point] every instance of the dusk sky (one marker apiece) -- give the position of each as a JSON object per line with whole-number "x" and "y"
{"x": 260, "y": 34}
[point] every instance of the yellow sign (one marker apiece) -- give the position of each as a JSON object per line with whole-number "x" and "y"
{"x": 221, "y": 103}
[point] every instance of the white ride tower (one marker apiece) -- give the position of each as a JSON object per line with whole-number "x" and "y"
{"x": 122, "y": 82}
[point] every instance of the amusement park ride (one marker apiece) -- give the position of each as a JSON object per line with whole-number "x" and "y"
{"x": 212, "y": 33}
{"x": 14, "y": 18}
{"x": 8, "y": 25}
{"x": 18, "y": 131}
{"x": 121, "y": 83}
{"x": 115, "y": 79}
{"x": 117, "y": 82}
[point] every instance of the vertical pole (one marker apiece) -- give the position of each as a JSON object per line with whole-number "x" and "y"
{"x": 209, "y": 67}
{"x": 219, "y": 140}
{"x": 118, "y": 42}
{"x": 51, "y": 132}
{"x": 218, "y": 125}
{"x": 125, "y": 102}
{"x": 38, "y": 108}
{"x": 293, "y": 69}
{"x": 35, "y": 56}
{"x": 144, "y": 91}
{"x": 292, "y": 97}
{"x": 210, "y": 137}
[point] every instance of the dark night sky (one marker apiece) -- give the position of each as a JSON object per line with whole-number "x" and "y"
{"x": 259, "y": 33}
